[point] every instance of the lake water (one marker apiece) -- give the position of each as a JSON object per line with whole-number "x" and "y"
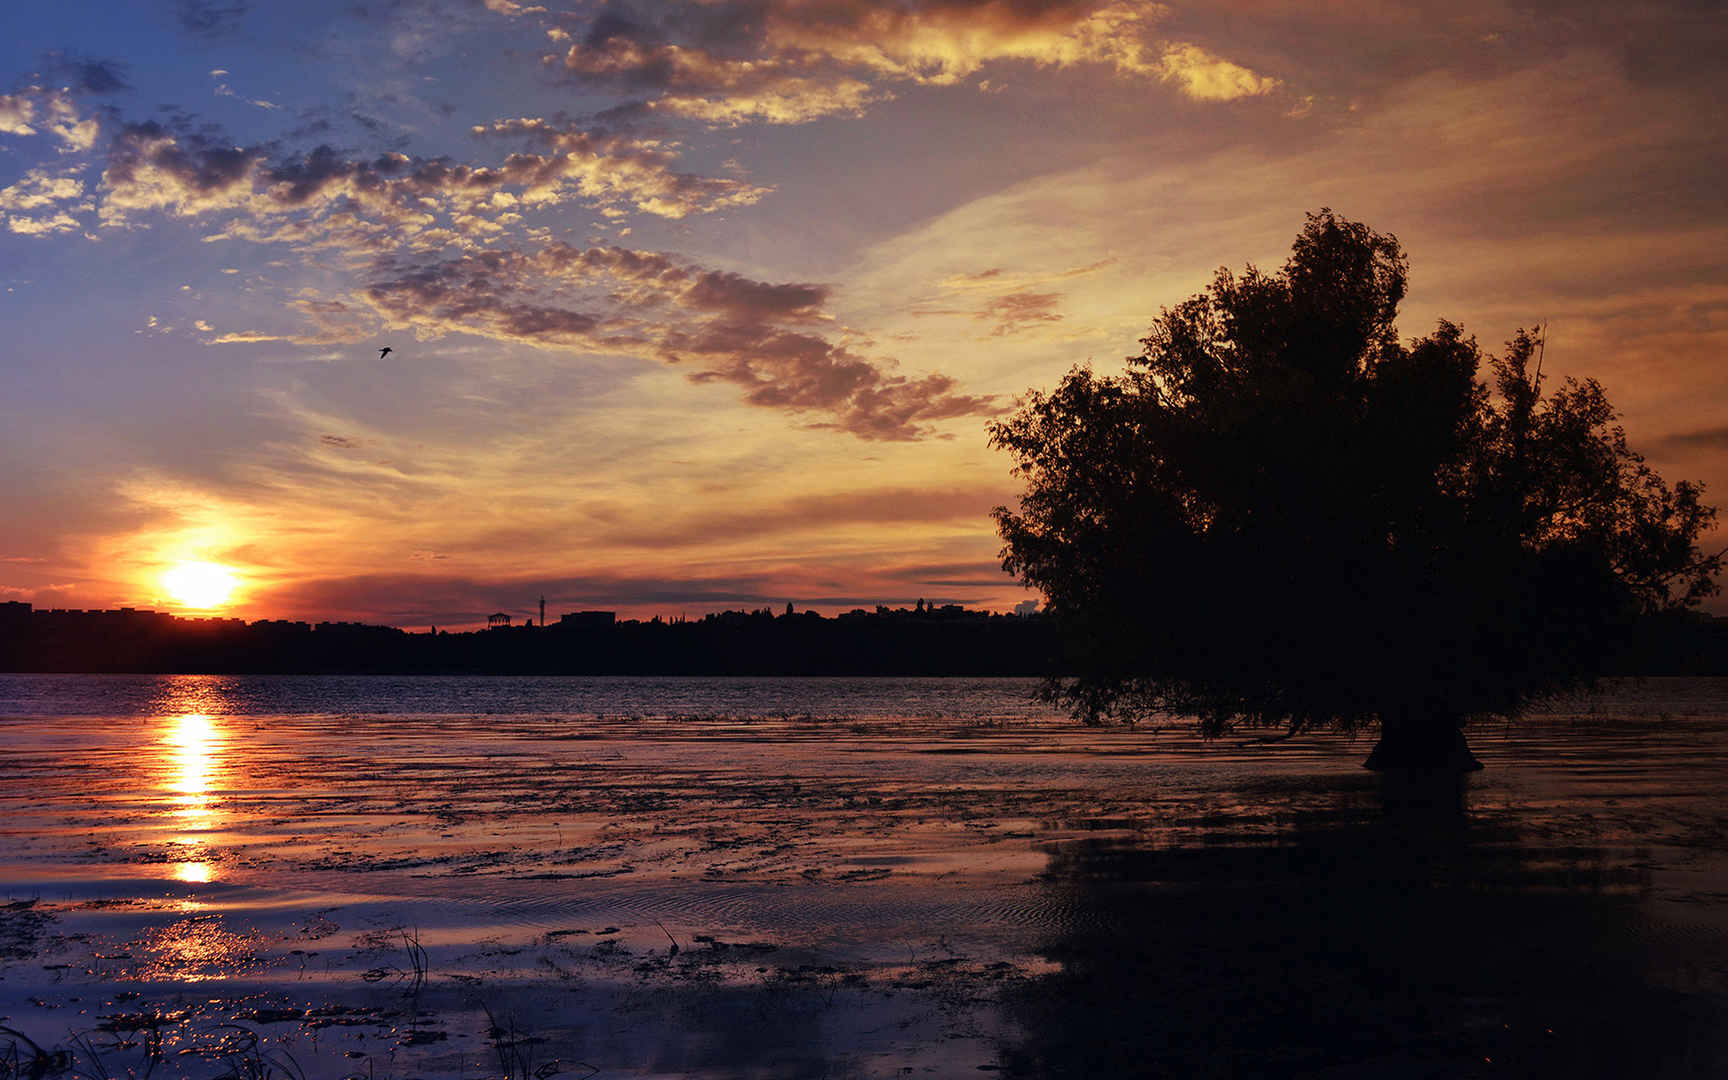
{"x": 464, "y": 877}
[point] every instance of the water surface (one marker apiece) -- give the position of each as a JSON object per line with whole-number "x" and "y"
{"x": 450, "y": 877}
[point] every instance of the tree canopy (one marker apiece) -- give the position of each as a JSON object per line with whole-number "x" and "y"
{"x": 1282, "y": 514}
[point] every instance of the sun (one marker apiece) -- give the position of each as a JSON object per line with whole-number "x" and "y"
{"x": 201, "y": 586}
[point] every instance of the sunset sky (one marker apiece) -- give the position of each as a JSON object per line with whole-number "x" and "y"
{"x": 707, "y": 305}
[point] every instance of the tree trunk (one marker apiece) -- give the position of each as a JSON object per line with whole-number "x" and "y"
{"x": 1422, "y": 741}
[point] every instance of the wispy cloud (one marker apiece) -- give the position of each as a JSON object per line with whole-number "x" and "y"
{"x": 720, "y": 326}
{"x": 1715, "y": 438}
{"x": 211, "y": 18}
{"x": 224, "y": 90}
{"x": 83, "y": 74}
{"x": 804, "y": 513}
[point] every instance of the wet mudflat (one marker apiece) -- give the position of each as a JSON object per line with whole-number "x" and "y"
{"x": 923, "y": 880}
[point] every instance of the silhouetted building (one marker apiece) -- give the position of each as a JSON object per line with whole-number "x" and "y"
{"x": 588, "y": 620}
{"x": 497, "y": 618}
{"x": 943, "y": 639}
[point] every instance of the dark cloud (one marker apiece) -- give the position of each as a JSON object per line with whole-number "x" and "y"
{"x": 883, "y": 506}
{"x": 723, "y": 91}
{"x": 780, "y": 368}
{"x": 756, "y": 301}
{"x": 188, "y": 171}
{"x": 1018, "y": 311}
{"x": 980, "y": 578}
{"x": 322, "y": 307}
{"x": 419, "y": 599}
{"x": 313, "y": 125}
{"x": 1707, "y": 438}
{"x": 210, "y": 17}
{"x": 380, "y": 132}
{"x": 312, "y": 175}
{"x": 82, "y": 74}
{"x": 482, "y": 294}
{"x": 726, "y": 327}
{"x": 340, "y": 442}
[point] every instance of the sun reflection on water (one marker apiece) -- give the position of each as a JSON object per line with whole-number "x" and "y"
{"x": 198, "y": 949}
{"x": 196, "y": 744}
{"x": 193, "y": 873}
{"x": 194, "y": 740}
{"x": 209, "y": 695}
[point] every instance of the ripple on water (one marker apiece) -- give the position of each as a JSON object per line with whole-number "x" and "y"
{"x": 808, "y": 913}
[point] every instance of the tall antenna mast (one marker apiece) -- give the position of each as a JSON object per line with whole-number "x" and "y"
{"x": 542, "y": 611}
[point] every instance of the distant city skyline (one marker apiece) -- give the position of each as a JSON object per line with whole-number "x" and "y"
{"x": 14, "y": 611}
{"x": 928, "y": 640}
{"x": 397, "y": 312}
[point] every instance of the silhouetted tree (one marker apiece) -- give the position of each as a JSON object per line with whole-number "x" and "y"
{"x": 1280, "y": 514}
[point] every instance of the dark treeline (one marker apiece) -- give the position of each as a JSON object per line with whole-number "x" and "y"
{"x": 937, "y": 641}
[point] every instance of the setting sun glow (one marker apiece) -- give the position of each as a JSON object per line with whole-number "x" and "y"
{"x": 201, "y": 586}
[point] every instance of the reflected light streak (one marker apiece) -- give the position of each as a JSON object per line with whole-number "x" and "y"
{"x": 195, "y": 742}
{"x": 209, "y": 695}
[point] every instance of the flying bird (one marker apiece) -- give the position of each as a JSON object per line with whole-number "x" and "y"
{"x": 385, "y": 351}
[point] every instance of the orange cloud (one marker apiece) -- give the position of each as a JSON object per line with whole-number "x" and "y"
{"x": 790, "y": 62}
